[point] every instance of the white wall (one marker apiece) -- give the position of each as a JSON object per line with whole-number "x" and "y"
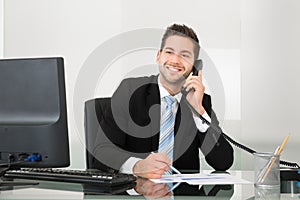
{"x": 250, "y": 43}
{"x": 270, "y": 74}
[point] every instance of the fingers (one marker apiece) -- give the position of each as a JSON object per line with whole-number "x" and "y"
{"x": 160, "y": 162}
{"x": 194, "y": 77}
{"x": 153, "y": 166}
{"x": 194, "y": 82}
{"x": 161, "y": 157}
{"x": 200, "y": 75}
{"x": 195, "y": 88}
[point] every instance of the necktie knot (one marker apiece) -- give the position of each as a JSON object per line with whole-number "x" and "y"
{"x": 169, "y": 100}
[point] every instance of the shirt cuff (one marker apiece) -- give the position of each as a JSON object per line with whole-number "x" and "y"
{"x": 202, "y": 127}
{"x": 127, "y": 167}
{"x": 132, "y": 192}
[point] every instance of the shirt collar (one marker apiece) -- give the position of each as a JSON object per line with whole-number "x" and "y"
{"x": 163, "y": 92}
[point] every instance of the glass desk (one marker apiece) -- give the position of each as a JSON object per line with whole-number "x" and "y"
{"x": 57, "y": 190}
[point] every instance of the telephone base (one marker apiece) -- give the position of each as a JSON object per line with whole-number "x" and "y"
{"x": 289, "y": 180}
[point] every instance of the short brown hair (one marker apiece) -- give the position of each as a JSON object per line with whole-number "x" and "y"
{"x": 184, "y": 31}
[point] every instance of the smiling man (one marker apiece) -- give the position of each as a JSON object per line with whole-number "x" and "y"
{"x": 150, "y": 127}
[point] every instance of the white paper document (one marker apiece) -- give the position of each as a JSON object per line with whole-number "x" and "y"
{"x": 202, "y": 179}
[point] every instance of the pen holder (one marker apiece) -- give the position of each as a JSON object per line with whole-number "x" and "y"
{"x": 267, "y": 170}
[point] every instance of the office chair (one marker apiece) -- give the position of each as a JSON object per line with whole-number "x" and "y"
{"x": 94, "y": 111}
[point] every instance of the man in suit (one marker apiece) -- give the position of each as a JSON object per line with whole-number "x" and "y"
{"x": 129, "y": 140}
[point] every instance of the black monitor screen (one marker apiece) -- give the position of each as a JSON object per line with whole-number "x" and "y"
{"x": 33, "y": 116}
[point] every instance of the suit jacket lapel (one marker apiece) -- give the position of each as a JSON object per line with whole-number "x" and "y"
{"x": 153, "y": 99}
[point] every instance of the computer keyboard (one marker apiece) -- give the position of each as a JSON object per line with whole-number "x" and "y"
{"x": 72, "y": 176}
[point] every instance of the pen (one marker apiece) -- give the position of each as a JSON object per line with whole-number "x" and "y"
{"x": 173, "y": 168}
{"x": 174, "y": 186}
{"x": 274, "y": 159}
{"x": 264, "y": 169}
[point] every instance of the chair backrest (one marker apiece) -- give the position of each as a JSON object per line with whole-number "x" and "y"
{"x": 94, "y": 111}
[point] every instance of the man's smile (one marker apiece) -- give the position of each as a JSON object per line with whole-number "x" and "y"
{"x": 174, "y": 68}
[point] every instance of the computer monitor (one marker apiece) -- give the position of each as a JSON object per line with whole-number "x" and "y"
{"x": 33, "y": 115}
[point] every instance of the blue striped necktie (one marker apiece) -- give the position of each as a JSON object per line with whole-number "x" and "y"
{"x": 166, "y": 138}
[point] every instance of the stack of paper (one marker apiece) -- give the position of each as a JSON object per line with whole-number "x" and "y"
{"x": 202, "y": 179}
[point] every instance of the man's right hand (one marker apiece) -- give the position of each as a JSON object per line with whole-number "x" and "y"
{"x": 153, "y": 166}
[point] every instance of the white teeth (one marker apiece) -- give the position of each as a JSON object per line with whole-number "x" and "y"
{"x": 173, "y": 69}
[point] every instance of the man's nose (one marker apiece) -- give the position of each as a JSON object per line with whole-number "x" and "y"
{"x": 175, "y": 58}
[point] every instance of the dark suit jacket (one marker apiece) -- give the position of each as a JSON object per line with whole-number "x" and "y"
{"x": 131, "y": 128}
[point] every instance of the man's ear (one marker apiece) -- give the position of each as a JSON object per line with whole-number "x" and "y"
{"x": 158, "y": 56}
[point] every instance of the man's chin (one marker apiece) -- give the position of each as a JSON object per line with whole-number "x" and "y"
{"x": 176, "y": 81}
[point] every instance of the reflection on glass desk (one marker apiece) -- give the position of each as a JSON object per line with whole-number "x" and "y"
{"x": 149, "y": 190}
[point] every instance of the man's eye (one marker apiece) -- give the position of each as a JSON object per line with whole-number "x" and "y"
{"x": 185, "y": 55}
{"x": 169, "y": 52}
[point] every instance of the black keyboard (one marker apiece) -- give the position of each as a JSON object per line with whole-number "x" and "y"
{"x": 72, "y": 176}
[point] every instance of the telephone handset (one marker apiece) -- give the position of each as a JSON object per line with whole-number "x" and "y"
{"x": 198, "y": 65}
{"x": 196, "y": 68}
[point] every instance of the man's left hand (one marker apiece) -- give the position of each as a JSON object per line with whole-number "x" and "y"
{"x": 195, "y": 86}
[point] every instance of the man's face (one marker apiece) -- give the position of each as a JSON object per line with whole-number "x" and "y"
{"x": 175, "y": 60}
